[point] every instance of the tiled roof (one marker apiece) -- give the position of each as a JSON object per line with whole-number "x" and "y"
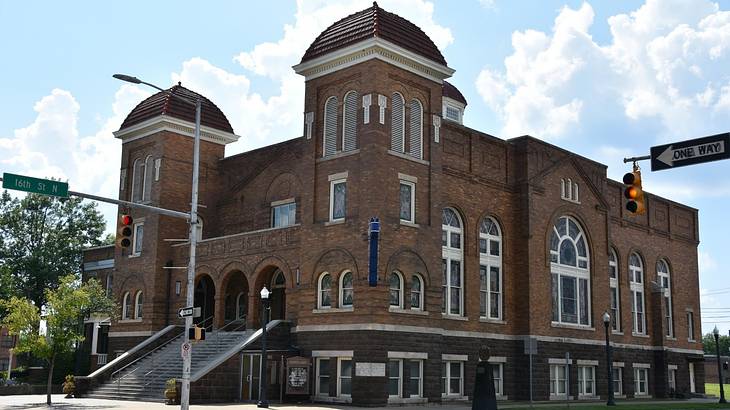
{"x": 374, "y": 22}
{"x": 163, "y": 104}
{"x": 452, "y": 92}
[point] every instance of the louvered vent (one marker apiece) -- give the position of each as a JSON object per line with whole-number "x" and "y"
{"x": 397, "y": 135}
{"x": 349, "y": 115}
{"x": 416, "y": 129}
{"x": 330, "y": 127}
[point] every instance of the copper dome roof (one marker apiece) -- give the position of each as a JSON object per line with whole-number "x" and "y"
{"x": 374, "y": 22}
{"x": 164, "y": 104}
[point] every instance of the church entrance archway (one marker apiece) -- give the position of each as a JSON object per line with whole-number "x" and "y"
{"x": 204, "y": 298}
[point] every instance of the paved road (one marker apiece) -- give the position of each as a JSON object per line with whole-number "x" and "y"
{"x": 61, "y": 403}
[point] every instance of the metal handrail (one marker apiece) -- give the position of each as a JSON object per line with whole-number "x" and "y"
{"x": 160, "y": 347}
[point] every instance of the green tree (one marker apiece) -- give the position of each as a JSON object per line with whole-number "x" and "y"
{"x": 708, "y": 344}
{"x": 41, "y": 239}
{"x": 64, "y": 307}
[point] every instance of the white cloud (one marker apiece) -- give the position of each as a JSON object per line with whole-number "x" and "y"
{"x": 665, "y": 62}
{"x": 706, "y": 262}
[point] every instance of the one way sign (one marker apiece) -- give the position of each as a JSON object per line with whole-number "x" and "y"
{"x": 696, "y": 151}
{"x": 188, "y": 312}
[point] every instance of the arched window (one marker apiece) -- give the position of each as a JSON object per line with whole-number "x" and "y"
{"x": 397, "y": 125}
{"x": 330, "y": 127}
{"x": 636, "y": 283}
{"x": 396, "y": 290}
{"x": 451, "y": 261}
{"x": 613, "y": 283}
{"x": 199, "y": 228}
{"x": 279, "y": 280}
{"x": 349, "y": 121}
{"x": 416, "y": 129}
{"x": 241, "y": 306}
{"x": 324, "y": 291}
{"x": 346, "y": 290}
{"x": 416, "y": 292}
{"x": 664, "y": 279}
{"x": 126, "y": 306}
{"x": 138, "y": 168}
{"x": 138, "y": 302}
{"x": 569, "y": 271}
{"x": 490, "y": 269}
{"x": 147, "y": 185}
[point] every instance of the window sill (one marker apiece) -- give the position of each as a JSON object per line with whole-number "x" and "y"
{"x": 619, "y": 396}
{"x": 339, "y": 154}
{"x": 335, "y": 222}
{"x": 409, "y": 223}
{"x": 692, "y": 340}
{"x": 393, "y": 309}
{"x": 500, "y": 397}
{"x": 134, "y": 255}
{"x": 130, "y": 321}
{"x": 333, "y": 310}
{"x": 640, "y": 335}
{"x": 454, "y": 317}
{"x": 570, "y": 326}
{"x": 408, "y": 157}
{"x": 642, "y": 396}
{"x": 616, "y": 332}
{"x": 554, "y": 397}
{"x": 674, "y": 339}
{"x": 453, "y": 397}
{"x": 588, "y": 398}
{"x": 407, "y": 400}
{"x": 494, "y": 321}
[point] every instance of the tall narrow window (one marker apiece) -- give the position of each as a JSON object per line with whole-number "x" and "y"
{"x": 324, "y": 291}
{"x": 490, "y": 269}
{"x": 664, "y": 279}
{"x": 558, "y": 379}
{"x": 416, "y": 292}
{"x": 349, "y": 121}
{"x": 126, "y": 306}
{"x": 323, "y": 377}
{"x": 344, "y": 379}
{"x": 641, "y": 381}
{"x": 452, "y": 378}
{"x": 618, "y": 385}
{"x": 109, "y": 281}
{"x": 498, "y": 376}
{"x": 330, "y": 127}
{"x": 338, "y": 198}
{"x": 586, "y": 381}
{"x": 690, "y": 327}
{"x": 452, "y": 256}
{"x": 396, "y": 290}
{"x": 138, "y": 238}
{"x": 138, "y": 302}
{"x": 346, "y": 290}
{"x": 407, "y": 201}
{"x": 636, "y": 283}
{"x": 395, "y": 377}
{"x": 416, "y": 129}
{"x": 138, "y": 168}
{"x": 415, "y": 385}
{"x": 613, "y": 283}
{"x": 398, "y": 118}
{"x": 570, "y": 273}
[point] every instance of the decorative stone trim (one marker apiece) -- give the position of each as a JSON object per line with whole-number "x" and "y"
{"x": 408, "y": 355}
{"x": 454, "y": 357}
{"x": 332, "y": 353}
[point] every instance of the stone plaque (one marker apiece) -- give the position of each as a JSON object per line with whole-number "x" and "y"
{"x": 370, "y": 369}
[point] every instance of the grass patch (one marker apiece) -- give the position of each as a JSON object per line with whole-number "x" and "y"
{"x": 713, "y": 389}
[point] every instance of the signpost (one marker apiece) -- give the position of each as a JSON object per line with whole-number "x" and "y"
{"x": 186, "y": 312}
{"x": 35, "y": 185}
{"x": 696, "y": 151}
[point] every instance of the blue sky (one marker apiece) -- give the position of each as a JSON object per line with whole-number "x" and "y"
{"x": 603, "y": 79}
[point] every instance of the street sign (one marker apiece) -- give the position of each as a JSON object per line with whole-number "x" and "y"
{"x": 185, "y": 350}
{"x": 35, "y": 185}
{"x": 186, "y": 311}
{"x": 696, "y": 151}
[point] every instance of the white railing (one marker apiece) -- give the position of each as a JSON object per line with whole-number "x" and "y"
{"x": 101, "y": 359}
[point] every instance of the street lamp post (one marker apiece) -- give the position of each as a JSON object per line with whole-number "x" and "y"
{"x": 609, "y": 360}
{"x": 263, "y": 402}
{"x": 716, "y": 333}
{"x": 192, "y": 234}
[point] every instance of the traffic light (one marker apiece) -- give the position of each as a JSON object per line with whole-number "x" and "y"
{"x": 124, "y": 232}
{"x": 196, "y": 333}
{"x": 633, "y": 192}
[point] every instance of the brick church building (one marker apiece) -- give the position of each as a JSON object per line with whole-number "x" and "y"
{"x": 483, "y": 241}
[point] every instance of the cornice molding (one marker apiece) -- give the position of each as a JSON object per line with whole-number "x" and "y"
{"x": 176, "y": 125}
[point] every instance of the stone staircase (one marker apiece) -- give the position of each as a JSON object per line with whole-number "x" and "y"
{"x": 144, "y": 379}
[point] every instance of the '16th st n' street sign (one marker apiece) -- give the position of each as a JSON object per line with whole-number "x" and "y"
{"x": 696, "y": 151}
{"x": 35, "y": 185}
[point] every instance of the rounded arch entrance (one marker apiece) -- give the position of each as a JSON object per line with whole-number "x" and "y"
{"x": 275, "y": 279}
{"x": 235, "y": 299}
{"x": 204, "y": 298}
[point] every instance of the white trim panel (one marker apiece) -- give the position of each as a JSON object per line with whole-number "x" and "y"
{"x": 332, "y": 353}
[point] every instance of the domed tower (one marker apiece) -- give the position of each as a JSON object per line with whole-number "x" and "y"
{"x": 156, "y": 169}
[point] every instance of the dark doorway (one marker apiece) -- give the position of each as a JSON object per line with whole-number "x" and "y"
{"x": 205, "y": 300}
{"x": 278, "y": 295}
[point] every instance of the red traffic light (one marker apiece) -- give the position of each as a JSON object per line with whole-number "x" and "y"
{"x": 126, "y": 220}
{"x": 124, "y": 231}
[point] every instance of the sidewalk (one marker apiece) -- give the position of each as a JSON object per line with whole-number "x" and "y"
{"x": 59, "y": 402}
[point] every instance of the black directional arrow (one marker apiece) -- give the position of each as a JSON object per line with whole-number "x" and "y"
{"x": 696, "y": 151}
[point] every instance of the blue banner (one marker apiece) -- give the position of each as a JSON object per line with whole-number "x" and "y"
{"x": 373, "y": 236}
